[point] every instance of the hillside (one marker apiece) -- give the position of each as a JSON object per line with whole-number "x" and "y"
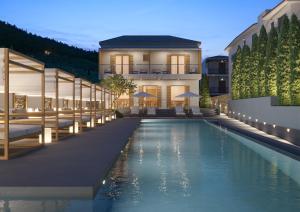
{"x": 54, "y": 54}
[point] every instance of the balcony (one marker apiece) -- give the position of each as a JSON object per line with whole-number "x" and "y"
{"x": 153, "y": 71}
{"x": 217, "y": 72}
{"x": 218, "y": 90}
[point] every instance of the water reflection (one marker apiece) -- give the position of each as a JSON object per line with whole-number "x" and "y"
{"x": 188, "y": 166}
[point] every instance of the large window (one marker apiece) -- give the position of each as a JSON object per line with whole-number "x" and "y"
{"x": 153, "y": 90}
{"x": 123, "y": 101}
{"x": 177, "y": 64}
{"x": 122, "y": 64}
{"x": 176, "y": 91}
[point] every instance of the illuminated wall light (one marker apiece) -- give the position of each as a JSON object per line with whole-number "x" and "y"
{"x": 99, "y": 121}
{"x": 88, "y": 124}
{"x": 103, "y": 182}
{"x": 40, "y": 138}
{"x": 92, "y": 122}
{"x": 264, "y": 123}
{"x": 288, "y": 130}
{"x": 233, "y": 112}
{"x": 250, "y": 118}
{"x": 244, "y": 115}
{"x": 48, "y": 135}
{"x": 71, "y": 129}
{"x": 274, "y": 125}
{"x": 256, "y": 120}
{"x": 76, "y": 127}
{"x": 239, "y": 114}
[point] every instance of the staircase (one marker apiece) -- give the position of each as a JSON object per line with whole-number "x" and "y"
{"x": 165, "y": 113}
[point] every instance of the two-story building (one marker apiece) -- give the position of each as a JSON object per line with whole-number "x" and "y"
{"x": 163, "y": 66}
{"x": 216, "y": 69}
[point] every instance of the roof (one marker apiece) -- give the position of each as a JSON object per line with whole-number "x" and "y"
{"x": 245, "y": 31}
{"x": 267, "y": 12}
{"x": 270, "y": 10}
{"x": 214, "y": 58}
{"x": 149, "y": 42}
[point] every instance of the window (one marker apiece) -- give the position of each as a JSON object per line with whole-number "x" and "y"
{"x": 177, "y": 64}
{"x": 146, "y": 57}
{"x": 122, "y": 64}
{"x": 177, "y": 90}
{"x": 153, "y": 90}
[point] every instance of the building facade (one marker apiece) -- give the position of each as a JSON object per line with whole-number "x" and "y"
{"x": 267, "y": 18}
{"x": 216, "y": 69}
{"x": 163, "y": 66}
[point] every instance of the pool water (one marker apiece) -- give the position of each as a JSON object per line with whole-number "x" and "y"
{"x": 193, "y": 166}
{"x": 182, "y": 165}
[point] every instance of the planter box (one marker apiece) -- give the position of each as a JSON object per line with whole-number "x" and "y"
{"x": 264, "y": 114}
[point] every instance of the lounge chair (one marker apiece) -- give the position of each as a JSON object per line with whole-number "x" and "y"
{"x": 196, "y": 111}
{"x": 179, "y": 111}
{"x": 19, "y": 131}
{"x": 135, "y": 110}
{"x": 151, "y": 111}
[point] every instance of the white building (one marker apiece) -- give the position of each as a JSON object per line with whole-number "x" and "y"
{"x": 267, "y": 18}
{"x": 164, "y": 66}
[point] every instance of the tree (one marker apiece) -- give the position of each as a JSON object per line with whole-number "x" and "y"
{"x": 294, "y": 36}
{"x": 245, "y": 73}
{"x": 254, "y": 67}
{"x": 262, "y": 45}
{"x": 118, "y": 85}
{"x": 235, "y": 75}
{"x": 205, "y": 101}
{"x": 270, "y": 64}
{"x": 283, "y": 63}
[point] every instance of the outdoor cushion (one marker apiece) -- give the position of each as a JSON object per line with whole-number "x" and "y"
{"x": 19, "y": 130}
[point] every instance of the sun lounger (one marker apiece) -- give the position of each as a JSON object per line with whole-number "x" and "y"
{"x": 21, "y": 130}
{"x": 196, "y": 111}
{"x": 134, "y": 111}
{"x": 179, "y": 111}
{"x": 151, "y": 111}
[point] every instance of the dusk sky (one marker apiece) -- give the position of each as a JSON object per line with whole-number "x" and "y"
{"x": 85, "y": 22}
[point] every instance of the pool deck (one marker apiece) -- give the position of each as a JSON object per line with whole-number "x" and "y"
{"x": 261, "y": 137}
{"x": 72, "y": 168}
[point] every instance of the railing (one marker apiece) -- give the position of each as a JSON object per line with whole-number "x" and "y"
{"x": 150, "y": 69}
{"x": 218, "y": 90}
{"x": 217, "y": 71}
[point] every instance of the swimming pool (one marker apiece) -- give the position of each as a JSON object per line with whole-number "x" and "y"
{"x": 194, "y": 166}
{"x": 188, "y": 165}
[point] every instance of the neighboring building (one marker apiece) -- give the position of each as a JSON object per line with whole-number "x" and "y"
{"x": 164, "y": 66}
{"x": 216, "y": 69}
{"x": 267, "y": 18}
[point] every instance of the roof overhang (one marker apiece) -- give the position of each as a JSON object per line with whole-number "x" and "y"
{"x": 244, "y": 33}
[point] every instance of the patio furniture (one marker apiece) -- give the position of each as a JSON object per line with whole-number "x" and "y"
{"x": 179, "y": 111}
{"x": 134, "y": 110}
{"x": 151, "y": 111}
{"x": 196, "y": 111}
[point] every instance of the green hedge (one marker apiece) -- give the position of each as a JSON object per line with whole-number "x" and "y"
{"x": 272, "y": 66}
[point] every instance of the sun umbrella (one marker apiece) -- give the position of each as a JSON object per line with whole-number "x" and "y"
{"x": 143, "y": 94}
{"x": 188, "y": 94}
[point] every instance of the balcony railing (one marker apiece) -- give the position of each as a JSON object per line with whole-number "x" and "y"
{"x": 214, "y": 90}
{"x": 150, "y": 69}
{"x": 211, "y": 71}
